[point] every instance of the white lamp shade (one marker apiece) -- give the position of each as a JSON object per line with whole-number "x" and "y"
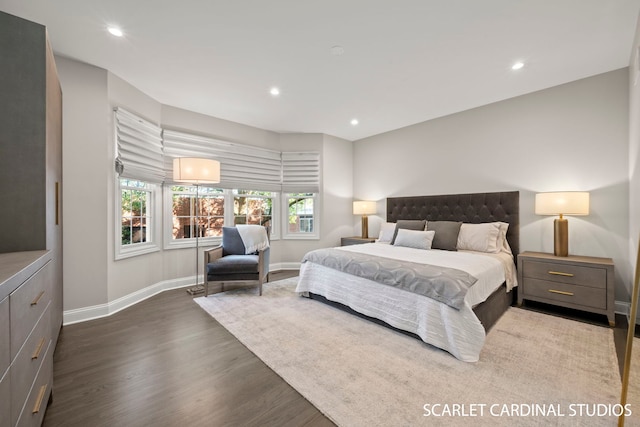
{"x": 363, "y": 207}
{"x": 197, "y": 171}
{"x": 562, "y": 203}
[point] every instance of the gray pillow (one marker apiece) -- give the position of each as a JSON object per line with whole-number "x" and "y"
{"x": 409, "y": 224}
{"x": 446, "y": 234}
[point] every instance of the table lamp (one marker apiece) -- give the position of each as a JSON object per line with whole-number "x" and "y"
{"x": 364, "y": 208}
{"x": 562, "y": 203}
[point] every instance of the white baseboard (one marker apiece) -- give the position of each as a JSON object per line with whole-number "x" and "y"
{"x": 85, "y": 314}
{"x": 285, "y": 266}
{"x": 102, "y": 310}
{"x": 624, "y": 308}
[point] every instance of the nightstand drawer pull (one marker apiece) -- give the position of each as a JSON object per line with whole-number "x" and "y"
{"x": 553, "y": 291}
{"x": 559, "y": 273}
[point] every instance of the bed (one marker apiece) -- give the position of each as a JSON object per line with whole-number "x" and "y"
{"x": 455, "y": 321}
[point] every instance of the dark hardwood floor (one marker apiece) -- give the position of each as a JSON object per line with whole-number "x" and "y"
{"x": 165, "y": 362}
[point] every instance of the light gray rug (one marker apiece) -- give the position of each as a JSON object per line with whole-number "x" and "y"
{"x": 362, "y": 374}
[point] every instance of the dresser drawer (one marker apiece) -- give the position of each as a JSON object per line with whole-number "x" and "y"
{"x": 5, "y": 353}
{"x": 564, "y": 273}
{"x": 27, "y": 303}
{"x": 36, "y": 404}
{"x": 28, "y": 361}
{"x": 555, "y": 292}
{"x": 5, "y": 400}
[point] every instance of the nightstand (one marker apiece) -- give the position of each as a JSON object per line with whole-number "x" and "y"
{"x": 578, "y": 282}
{"x": 356, "y": 240}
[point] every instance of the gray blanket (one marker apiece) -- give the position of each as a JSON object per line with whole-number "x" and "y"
{"x": 446, "y": 285}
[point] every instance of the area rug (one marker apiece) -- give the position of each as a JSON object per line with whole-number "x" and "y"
{"x": 534, "y": 369}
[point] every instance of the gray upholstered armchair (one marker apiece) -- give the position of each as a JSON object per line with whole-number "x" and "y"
{"x": 229, "y": 262}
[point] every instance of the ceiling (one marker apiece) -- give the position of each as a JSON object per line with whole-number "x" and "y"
{"x": 403, "y": 61}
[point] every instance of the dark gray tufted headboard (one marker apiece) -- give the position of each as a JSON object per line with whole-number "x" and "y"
{"x": 473, "y": 208}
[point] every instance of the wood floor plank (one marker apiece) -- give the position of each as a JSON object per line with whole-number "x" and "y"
{"x": 165, "y": 362}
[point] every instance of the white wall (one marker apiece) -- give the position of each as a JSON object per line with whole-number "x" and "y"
{"x": 94, "y": 282}
{"x": 85, "y": 178}
{"x": 570, "y": 137}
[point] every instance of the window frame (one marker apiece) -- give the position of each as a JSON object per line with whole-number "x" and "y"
{"x": 153, "y": 223}
{"x": 286, "y": 234}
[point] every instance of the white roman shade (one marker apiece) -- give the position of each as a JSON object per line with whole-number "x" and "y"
{"x": 241, "y": 166}
{"x": 301, "y": 172}
{"x": 138, "y": 148}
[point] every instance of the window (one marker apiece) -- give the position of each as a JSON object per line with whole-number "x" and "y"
{"x": 253, "y": 207}
{"x": 302, "y": 212}
{"x": 136, "y": 231}
{"x": 217, "y": 208}
{"x": 207, "y": 222}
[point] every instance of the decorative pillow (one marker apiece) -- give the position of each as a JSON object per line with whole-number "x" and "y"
{"x": 414, "y": 238}
{"x": 486, "y": 237}
{"x": 409, "y": 224}
{"x": 387, "y": 230}
{"x": 446, "y": 234}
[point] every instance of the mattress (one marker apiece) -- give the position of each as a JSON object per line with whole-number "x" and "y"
{"x": 457, "y": 331}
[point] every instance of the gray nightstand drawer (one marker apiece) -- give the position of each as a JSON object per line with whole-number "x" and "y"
{"x": 563, "y": 273}
{"x": 556, "y": 292}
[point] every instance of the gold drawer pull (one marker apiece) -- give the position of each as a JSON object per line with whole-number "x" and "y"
{"x": 38, "y": 350}
{"x": 553, "y": 291}
{"x": 38, "y": 405}
{"x": 559, "y": 273}
{"x": 35, "y": 301}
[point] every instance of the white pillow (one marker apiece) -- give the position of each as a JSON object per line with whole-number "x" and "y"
{"x": 504, "y": 247}
{"x": 414, "y": 238}
{"x": 387, "y": 229}
{"x": 486, "y": 237}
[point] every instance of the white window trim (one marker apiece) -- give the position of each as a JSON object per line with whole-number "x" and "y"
{"x": 136, "y": 249}
{"x": 285, "y": 219}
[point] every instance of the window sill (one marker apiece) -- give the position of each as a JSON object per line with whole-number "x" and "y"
{"x": 133, "y": 252}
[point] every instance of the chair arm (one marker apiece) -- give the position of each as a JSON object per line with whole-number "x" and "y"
{"x": 212, "y": 254}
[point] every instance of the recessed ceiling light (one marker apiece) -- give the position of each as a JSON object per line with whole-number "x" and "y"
{"x": 517, "y": 65}
{"x": 115, "y": 31}
{"x": 354, "y": 122}
{"x": 274, "y": 91}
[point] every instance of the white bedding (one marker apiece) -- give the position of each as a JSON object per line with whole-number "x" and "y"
{"x": 456, "y": 331}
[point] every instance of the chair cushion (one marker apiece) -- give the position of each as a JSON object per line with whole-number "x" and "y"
{"x": 234, "y": 264}
{"x": 232, "y": 242}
